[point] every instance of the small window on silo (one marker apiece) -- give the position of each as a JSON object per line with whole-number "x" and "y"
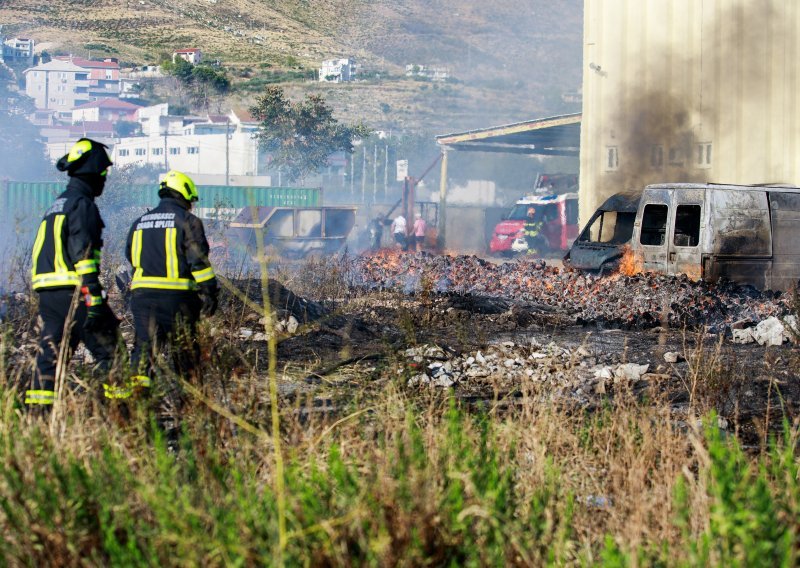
{"x": 657, "y": 156}
{"x": 612, "y": 158}
{"x": 703, "y": 155}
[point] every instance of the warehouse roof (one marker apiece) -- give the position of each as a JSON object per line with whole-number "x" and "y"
{"x": 553, "y": 136}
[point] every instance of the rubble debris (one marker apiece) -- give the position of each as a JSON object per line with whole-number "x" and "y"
{"x": 574, "y": 373}
{"x": 645, "y": 300}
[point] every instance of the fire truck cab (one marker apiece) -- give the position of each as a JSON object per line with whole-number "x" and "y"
{"x": 558, "y": 215}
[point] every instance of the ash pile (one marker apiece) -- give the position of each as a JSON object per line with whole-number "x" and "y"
{"x": 642, "y": 301}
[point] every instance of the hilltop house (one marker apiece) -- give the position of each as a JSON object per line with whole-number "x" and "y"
{"x": 433, "y": 73}
{"x": 337, "y": 70}
{"x": 192, "y": 55}
{"x": 18, "y": 50}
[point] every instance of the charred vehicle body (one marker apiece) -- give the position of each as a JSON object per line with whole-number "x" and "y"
{"x": 746, "y": 234}
{"x": 292, "y": 232}
{"x": 601, "y": 243}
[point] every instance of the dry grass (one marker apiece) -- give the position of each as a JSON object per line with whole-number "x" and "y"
{"x": 398, "y": 477}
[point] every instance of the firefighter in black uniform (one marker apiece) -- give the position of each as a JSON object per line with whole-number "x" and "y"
{"x": 66, "y": 264}
{"x": 173, "y": 282}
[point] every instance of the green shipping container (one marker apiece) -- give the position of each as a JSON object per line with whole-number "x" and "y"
{"x": 23, "y": 198}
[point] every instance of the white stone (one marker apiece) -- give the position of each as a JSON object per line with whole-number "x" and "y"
{"x": 444, "y": 380}
{"x": 742, "y": 336}
{"x": 421, "y": 379}
{"x": 292, "y": 324}
{"x": 604, "y": 373}
{"x": 480, "y": 358}
{"x": 769, "y": 332}
{"x": 630, "y": 372}
{"x": 508, "y": 363}
{"x": 671, "y": 356}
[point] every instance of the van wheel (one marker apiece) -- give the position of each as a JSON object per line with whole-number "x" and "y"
{"x": 608, "y": 268}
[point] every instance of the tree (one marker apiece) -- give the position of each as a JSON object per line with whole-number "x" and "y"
{"x": 24, "y": 157}
{"x": 301, "y": 135}
{"x": 208, "y": 82}
{"x": 201, "y": 82}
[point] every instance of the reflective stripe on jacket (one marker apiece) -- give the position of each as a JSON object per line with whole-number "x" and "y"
{"x": 66, "y": 252}
{"x": 168, "y": 250}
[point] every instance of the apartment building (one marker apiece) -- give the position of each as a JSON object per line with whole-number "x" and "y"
{"x": 58, "y": 85}
{"x": 104, "y": 78}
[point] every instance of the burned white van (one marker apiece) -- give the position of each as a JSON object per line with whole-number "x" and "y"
{"x": 600, "y": 244}
{"x": 747, "y": 234}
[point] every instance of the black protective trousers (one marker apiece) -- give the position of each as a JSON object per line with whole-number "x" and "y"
{"x": 165, "y": 320}
{"x": 54, "y": 307}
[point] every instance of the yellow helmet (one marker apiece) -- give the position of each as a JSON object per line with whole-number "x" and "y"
{"x": 181, "y": 183}
{"x": 86, "y": 157}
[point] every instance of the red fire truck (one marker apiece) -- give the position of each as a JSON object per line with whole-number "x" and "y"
{"x": 557, "y": 213}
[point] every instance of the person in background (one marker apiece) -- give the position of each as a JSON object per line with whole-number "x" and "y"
{"x": 375, "y": 233}
{"x": 65, "y": 273}
{"x": 419, "y": 231}
{"x": 533, "y": 229}
{"x": 399, "y": 231}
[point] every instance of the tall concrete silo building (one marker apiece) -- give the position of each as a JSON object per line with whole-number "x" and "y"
{"x": 689, "y": 90}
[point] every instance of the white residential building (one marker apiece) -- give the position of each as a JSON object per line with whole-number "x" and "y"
{"x": 192, "y": 55}
{"x": 433, "y": 73}
{"x": 196, "y": 145}
{"x": 18, "y": 50}
{"x": 337, "y": 70}
{"x": 237, "y": 153}
{"x": 58, "y": 85}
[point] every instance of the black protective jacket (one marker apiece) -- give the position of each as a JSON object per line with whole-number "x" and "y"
{"x": 66, "y": 252}
{"x": 168, "y": 250}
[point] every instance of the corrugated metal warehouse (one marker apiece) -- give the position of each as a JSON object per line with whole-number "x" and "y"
{"x": 688, "y": 90}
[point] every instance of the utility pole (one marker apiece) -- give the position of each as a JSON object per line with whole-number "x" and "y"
{"x": 166, "y": 160}
{"x": 374, "y": 172}
{"x": 385, "y": 170}
{"x": 363, "y": 173}
{"x": 227, "y": 152}
{"x": 352, "y": 174}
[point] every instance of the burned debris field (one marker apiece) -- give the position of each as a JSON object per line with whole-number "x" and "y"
{"x": 427, "y": 408}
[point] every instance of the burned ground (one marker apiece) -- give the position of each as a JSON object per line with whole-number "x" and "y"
{"x": 496, "y": 333}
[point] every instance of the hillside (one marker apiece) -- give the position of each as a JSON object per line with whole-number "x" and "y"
{"x": 512, "y": 57}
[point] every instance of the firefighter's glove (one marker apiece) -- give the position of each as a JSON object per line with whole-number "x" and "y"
{"x": 99, "y": 316}
{"x": 210, "y": 302}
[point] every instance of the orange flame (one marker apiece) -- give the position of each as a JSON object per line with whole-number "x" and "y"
{"x": 630, "y": 264}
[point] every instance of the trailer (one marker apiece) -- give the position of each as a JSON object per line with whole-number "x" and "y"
{"x": 292, "y": 232}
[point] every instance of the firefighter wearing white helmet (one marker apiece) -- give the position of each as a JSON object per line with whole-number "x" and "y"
{"x": 173, "y": 282}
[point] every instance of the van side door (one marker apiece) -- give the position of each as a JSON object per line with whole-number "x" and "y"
{"x": 686, "y": 229}
{"x": 651, "y": 229}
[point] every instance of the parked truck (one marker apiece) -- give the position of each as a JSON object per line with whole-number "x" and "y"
{"x": 746, "y": 234}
